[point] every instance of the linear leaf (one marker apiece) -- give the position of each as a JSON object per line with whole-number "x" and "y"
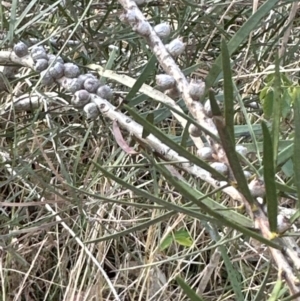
{"x": 150, "y": 67}
{"x": 231, "y": 215}
{"x": 185, "y": 190}
{"x": 296, "y": 96}
{"x": 228, "y": 89}
{"x": 173, "y": 145}
{"x": 229, "y": 148}
{"x": 277, "y": 107}
{"x": 188, "y": 290}
{"x": 269, "y": 177}
{"x": 239, "y": 37}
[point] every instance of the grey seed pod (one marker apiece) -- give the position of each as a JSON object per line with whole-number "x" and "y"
{"x": 220, "y": 167}
{"x": 47, "y": 79}
{"x": 175, "y": 47}
{"x": 57, "y": 70}
{"x": 247, "y": 174}
{"x": 174, "y": 93}
{"x": 71, "y": 70}
{"x": 241, "y": 150}
{"x": 165, "y": 81}
{"x": 38, "y": 52}
{"x": 91, "y": 111}
{"x": 53, "y": 57}
{"x": 80, "y": 98}
{"x": 37, "y": 48}
{"x": 196, "y": 89}
{"x": 163, "y": 30}
{"x": 83, "y": 77}
{"x": 283, "y": 223}
{"x": 71, "y": 84}
{"x": 257, "y": 187}
{"x": 20, "y": 49}
{"x": 143, "y": 28}
{"x": 205, "y": 153}
{"x": 194, "y": 131}
{"x": 91, "y": 85}
{"x": 40, "y": 65}
{"x": 105, "y": 92}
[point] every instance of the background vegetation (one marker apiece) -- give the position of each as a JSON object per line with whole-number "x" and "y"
{"x": 78, "y": 213}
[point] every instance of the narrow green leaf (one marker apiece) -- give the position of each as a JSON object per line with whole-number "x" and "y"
{"x": 12, "y": 20}
{"x": 151, "y": 197}
{"x": 277, "y": 287}
{"x": 295, "y": 216}
{"x": 239, "y": 37}
{"x": 24, "y": 26}
{"x": 150, "y": 67}
{"x": 114, "y": 53}
{"x": 228, "y": 89}
{"x": 183, "y": 238}
{"x": 166, "y": 242}
{"x": 185, "y": 190}
{"x": 185, "y": 135}
{"x": 233, "y": 274}
{"x": 130, "y": 230}
{"x": 269, "y": 177}
{"x": 150, "y": 119}
{"x": 26, "y": 11}
{"x": 296, "y": 101}
{"x": 288, "y": 168}
{"x": 229, "y": 148}
{"x": 276, "y": 111}
{"x": 188, "y": 290}
{"x": 261, "y": 292}
{"x": 286, "y": 102}
{"x": 267, "y": 103}
{"x": 173, "y": 145}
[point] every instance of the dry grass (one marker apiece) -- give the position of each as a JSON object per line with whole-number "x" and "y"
{"x": 66, "y": 231}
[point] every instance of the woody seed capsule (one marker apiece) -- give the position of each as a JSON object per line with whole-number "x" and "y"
{"x": 196, "y": 89}
{"x": 52, "y": 57}
{"x": 165, "y": 81}
{"x": 20, "y": 49}
{"x": 205, "y": 153}
{"x": 71, "y": 84}
{"x": 91, "y": 85}
{"x": 194, "y": 131}
{"x": 38, "y": 52}
{"x": 71, "y": 70}
{"x": 105, "y": 92}
{"x": 163, "y": 30}
{"x": 80, "y": 98}
{"x": 220, "y": 167}
{"x": 175, "y": 47}
{"x": 40, "y": 65}
{"x": 91, "y": 111}
{"x": 47, "y": 79}
{"x": 57, "y": 70}
{"x": 143, "y": 28}
{"x": 241, "y": 150}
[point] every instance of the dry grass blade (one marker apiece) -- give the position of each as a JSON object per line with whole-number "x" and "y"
{"x": 96, "y": 205}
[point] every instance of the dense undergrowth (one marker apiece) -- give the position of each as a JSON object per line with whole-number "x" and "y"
{"x": 78, "y": 212}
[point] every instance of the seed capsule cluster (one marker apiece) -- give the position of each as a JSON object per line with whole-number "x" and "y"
{"x": 53, "y": 69}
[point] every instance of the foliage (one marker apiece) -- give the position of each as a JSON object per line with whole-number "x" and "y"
{"x": 78, "y": 213}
